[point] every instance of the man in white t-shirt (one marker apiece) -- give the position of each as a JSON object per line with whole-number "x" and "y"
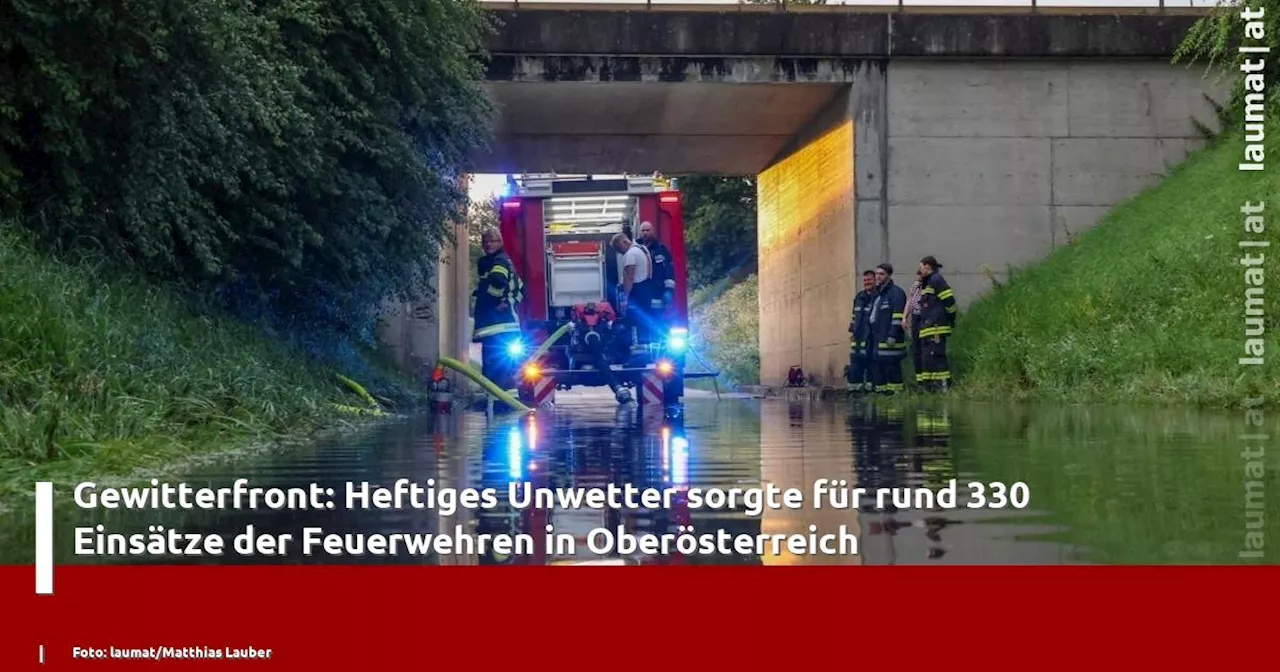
{"x": 634, "y": 270}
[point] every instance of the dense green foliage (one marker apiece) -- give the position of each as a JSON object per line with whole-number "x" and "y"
{"x": 1149, "y": 304}
{"x": 1212, "y": 41}
{"x": 725, "y": 330}
{"x": 296, "y": 161}
{"x": 720, "y": 228}
{"x": 101, "y": 374}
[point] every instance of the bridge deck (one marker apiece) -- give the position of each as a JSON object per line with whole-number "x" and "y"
{"x": 840, "y": 34}
{"x": 1027, "y": 7}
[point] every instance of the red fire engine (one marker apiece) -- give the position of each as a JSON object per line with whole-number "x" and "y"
{"x": 557, "y": 230}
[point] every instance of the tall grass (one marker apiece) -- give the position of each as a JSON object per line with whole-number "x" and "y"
{"x": 1148, "y": 305}
{"x": 725, "y": 330}
{"x": 101, "y": 374}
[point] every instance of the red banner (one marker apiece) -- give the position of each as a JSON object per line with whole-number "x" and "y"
{"x": 376, "y": 618}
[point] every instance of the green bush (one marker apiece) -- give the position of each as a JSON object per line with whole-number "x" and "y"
{"x": 1213, "y": 41}
{"x": 295, "y": 161}
{"x": 719, "y": 227}
{"x": 725, "y": 330}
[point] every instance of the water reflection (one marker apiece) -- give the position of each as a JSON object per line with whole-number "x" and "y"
{"x": 1119, "y": 486}
{"x": 557, "y": 451}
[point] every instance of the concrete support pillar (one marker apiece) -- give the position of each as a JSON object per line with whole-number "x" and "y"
{"x": 454, "y": 298}
{"x": 806, "y": 214}
{"x": 821, "y": 217}
{"x": 870, "y": 103}
{"x": 419, "y": 332}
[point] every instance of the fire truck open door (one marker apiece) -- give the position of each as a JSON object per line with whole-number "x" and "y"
{"x": 580, "y": 264}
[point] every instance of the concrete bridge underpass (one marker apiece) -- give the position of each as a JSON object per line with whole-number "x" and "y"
{"x": 984, "y": 138}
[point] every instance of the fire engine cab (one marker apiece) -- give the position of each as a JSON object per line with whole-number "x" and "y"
{"x": 557, "y": 231}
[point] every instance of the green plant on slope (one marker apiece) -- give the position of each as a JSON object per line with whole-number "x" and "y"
{"x": 725, "y": 330}
{"x": 1213, "y": 41}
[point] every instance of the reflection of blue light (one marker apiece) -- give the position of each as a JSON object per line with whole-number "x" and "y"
{"x": 515, "y": 348}
{"x": 678, "y": 340}
{"x": 679, "y": 461}
{"x": 515, "y": 455}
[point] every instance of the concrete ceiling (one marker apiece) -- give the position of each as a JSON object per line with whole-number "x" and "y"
{"x": 639, "y": 127}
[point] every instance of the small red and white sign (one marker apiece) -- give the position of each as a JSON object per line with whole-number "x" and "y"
{"x": 650, "y": 389}
{"x": 544, "y": 391}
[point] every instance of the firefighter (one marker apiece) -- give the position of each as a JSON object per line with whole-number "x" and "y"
{"x": 497, "y": 329}
{"x": 885, "y": 318}
{"x": 860, "y": 372}
{"x": 637, "y": 283}
{"x": 911, "y": 326}
{"x": 664, "y": 282}
{"x": 937, "y": 318}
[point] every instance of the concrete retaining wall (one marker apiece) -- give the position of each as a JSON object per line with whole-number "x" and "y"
{"x": 993, "y": 164}
{"x": 806, "y": 244}
{"x": 419, "y": 332}
{"x": 983, "y": 164}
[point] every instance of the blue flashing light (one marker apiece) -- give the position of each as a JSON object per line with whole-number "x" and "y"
{"x": 515, "y": 348}
{"x": 678, "y": 339}
{"x": 515, "y": 455}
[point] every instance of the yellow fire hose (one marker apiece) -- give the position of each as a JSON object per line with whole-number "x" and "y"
{"x": 487, "y": 384}
{"x": 546, "y": 345}
{"x": 373, "y": 409}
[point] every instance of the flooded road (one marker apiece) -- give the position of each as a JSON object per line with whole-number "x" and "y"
{"x": 1106, "y": 485}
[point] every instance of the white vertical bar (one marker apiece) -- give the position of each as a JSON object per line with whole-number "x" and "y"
{"x": 44, "y": 538}
{"x": 42, "y": 654}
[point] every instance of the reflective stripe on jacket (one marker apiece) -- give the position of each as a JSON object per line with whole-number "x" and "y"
{"x": 861, "y": 335}
{"x": 937, "y": 307}
{"x": 497, "y": 293}
{"x": 886, "y": 320}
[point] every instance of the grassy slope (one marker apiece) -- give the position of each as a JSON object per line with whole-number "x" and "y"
{"x": 725, "y": 328}
{"x": 1145, "y": 306}
{"x": 101, "y": 376}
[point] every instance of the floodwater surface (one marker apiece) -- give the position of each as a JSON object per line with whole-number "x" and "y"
{"x": 1081, "y": 485}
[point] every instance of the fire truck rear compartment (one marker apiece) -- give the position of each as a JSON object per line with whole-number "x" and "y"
{"x": 581, "y": 267}
{"x": 576, "y": 220}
